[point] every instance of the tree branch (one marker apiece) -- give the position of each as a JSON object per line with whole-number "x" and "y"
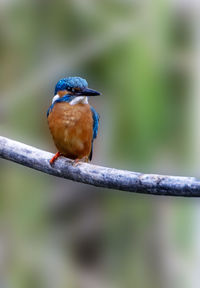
{"x": 97, "y": 175}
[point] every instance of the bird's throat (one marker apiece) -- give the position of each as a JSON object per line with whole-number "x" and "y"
{"x": 79, "y": 99}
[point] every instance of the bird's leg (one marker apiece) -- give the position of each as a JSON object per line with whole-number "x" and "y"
{"x": 58, "y": 154}
{"x": 77, "y": 161}
{"x": 85, "y": 159}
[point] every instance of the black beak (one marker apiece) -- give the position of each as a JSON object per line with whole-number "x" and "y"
{"x": 87, "y": 92}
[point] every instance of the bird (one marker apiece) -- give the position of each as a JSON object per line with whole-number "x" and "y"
{"x": 72, "y": 121}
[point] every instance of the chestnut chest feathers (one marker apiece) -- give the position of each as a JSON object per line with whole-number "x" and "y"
{"x": 72, "y": 129}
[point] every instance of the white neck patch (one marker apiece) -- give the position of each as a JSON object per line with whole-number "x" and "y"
{"x": 56, "y": 97}
{"x": 76, "y": 100}
{"x": 79, "y": 99}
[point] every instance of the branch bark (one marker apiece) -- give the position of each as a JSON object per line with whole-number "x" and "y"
{"x": 97, "y": 175}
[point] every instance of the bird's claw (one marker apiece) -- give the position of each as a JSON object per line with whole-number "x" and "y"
{"x": 77, "y": 161}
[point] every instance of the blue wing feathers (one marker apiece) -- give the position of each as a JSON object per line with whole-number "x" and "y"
{"x": 50, "y": 109}
{"x": 95, "y": 117}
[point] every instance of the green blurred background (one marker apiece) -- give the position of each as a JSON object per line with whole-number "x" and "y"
{"x": 144, "y": 56}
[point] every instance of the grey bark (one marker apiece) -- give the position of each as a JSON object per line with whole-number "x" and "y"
{"x": 97, "y": 175}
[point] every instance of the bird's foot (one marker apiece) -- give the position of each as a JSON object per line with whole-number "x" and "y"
{"x": 78, "y": 161}
{"x": 58, "y": 154}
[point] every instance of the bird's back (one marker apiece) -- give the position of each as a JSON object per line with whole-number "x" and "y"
{"x": 72, "y": 129}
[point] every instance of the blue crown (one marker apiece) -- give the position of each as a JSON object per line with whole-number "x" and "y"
{"x": 70, "y": 83}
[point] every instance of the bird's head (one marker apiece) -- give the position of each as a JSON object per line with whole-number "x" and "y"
{"x": 76, "y": 87}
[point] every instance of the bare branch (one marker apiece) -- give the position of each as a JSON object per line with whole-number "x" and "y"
{"x": 97, "y": 175}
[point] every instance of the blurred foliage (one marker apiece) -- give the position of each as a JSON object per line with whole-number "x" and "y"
{"x": 136, "y": 54}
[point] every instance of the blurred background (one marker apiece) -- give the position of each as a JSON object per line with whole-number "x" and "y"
{"x": 144, "y": 56}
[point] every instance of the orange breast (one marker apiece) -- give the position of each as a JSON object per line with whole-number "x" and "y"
{"x": 72, "y": 129}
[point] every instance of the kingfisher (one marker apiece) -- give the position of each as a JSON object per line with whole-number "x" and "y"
{"x": 72, "y": 121}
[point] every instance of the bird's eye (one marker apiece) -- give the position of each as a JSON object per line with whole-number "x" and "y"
{"x": 69, "y": 89}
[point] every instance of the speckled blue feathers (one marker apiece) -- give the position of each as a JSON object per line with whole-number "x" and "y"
{"x": 69, "y": 83}
{"x": 95, "y": 117}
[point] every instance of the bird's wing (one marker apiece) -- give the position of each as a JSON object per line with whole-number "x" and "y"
{"x": 50, "y": 109}
{"x": 95, "y": 117}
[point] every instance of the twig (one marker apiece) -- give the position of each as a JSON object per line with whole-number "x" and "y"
{"x": 97, "y": 175}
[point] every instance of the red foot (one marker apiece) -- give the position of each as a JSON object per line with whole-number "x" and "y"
{"x": 54, "y": 158}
